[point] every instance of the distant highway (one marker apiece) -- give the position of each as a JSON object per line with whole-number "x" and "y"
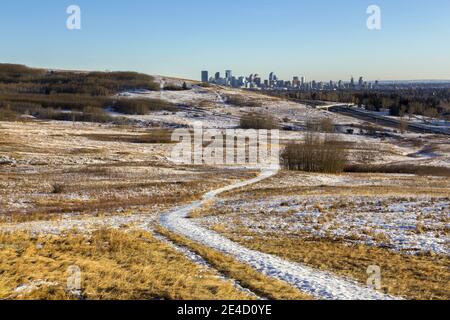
{"x": 348, "y": 110}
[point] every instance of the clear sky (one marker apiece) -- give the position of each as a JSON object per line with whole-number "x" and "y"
{"x": 321, "y": 39}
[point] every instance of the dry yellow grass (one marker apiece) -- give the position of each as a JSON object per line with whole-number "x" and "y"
{"x": 287, "y": 183}
{"x": 411, "y": 276}
{"x": 99, "y": 168}
{"x": 114, "y": 265}
{"x": 248, "y": 277}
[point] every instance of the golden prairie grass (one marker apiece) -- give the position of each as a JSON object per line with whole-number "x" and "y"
{"x": 264, "y": 191}
{"x": 88, "y": 189}
{"x": 114, "y": 265}
{"x": 294, "y": 183}
{"x": 420, "y": 277}
{"x": 260, "y": 284}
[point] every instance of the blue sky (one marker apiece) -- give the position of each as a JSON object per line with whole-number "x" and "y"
{"x": 321, "y": 40}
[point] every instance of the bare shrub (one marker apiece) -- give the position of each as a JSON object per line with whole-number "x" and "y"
{"x": 322, "y": 125}
{"x": 315, "y": 155}
{"x": 240, "y": 101}
{"x": 371, "y": 129}
{"x": 142, "y": 106}
{"x": 403, "y": 126}
{"x": 57, "y": 188}
{"x": 327, "y": 125}
{"x": 258, "y": 121}
{"x": 176, "y": 87}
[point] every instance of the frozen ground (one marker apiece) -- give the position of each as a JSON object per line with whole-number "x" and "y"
{"x": 209, "y": 106}
{"x": 403, "y": 213}
{"x": 319, "y": 284}
{"x": 419, "y": 225}
{"x": 109, "y": 182}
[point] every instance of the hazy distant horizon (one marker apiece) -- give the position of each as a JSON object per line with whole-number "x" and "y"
{"x": 223, "y": 72}
{"x": 322, "y": 41}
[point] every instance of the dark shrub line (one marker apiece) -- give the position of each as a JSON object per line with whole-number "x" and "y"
{"x": 399, "y": 169}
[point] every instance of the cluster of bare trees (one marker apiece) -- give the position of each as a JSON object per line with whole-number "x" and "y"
{"x": 315, "y": 154}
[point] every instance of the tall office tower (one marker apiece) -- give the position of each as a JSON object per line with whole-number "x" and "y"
{"x": 340, "y": 84}
{"x": 257, "y": 80}
{"x": 228, "y": 74}
{"x": 234, "y": 82}
{"x": 352, "y": 82}
{"x": 303, "y": 80}
{"x": 295, "y": 82}
{"x": 272, "y": 79}
{"x": 205, "y": 76}
{"x": 217, "y": 76}
{"x": 361, "y": 82}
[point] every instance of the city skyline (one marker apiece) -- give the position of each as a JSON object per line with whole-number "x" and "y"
{"x": 273, "y": 82}
{"x": 322, "y": 41}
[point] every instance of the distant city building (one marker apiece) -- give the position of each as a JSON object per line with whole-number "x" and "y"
{"x": 217, "y": 76}
{"x": 205, "y": 76}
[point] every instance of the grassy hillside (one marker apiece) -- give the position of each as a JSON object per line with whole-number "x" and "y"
{"x": 45, "y": 94}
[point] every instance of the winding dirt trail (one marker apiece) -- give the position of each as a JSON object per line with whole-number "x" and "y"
{"x": 320, "y": 284}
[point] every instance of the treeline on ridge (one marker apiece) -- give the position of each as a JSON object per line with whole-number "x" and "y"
{"x": 433, "y": 103}
{"x": 71, "y": 95}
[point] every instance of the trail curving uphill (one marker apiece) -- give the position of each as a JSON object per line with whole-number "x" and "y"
{"x": 320, "y": 284}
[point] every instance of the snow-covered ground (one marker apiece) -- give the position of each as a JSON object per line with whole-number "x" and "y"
{"x": 209, "y": 106}
{"x": 320, "y": 284}
{"x": 417, "y": 225}
{"x": 35, "y": 156}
